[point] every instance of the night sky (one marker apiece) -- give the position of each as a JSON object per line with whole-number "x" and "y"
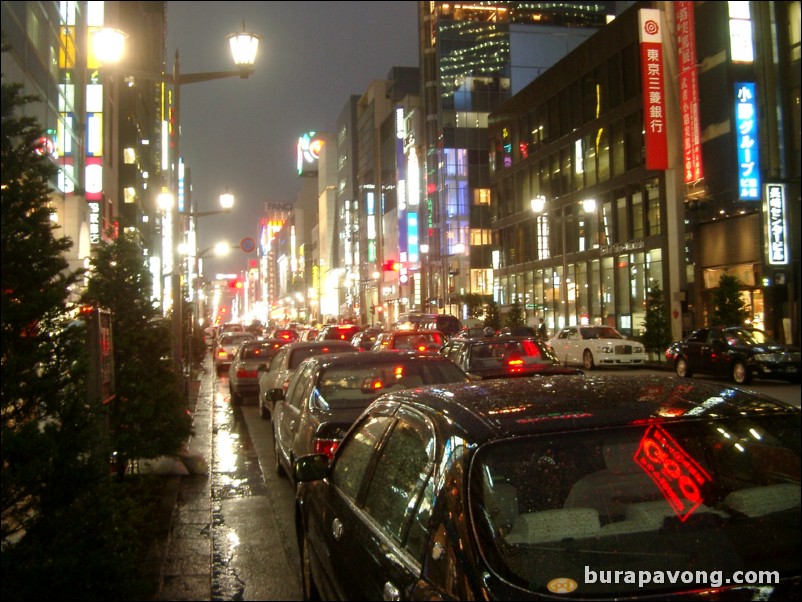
{"x": 240, "y": 134}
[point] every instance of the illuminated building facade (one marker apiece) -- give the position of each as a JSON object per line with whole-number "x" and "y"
{"x": 474, "y": 56}
{"x": 588, "y": 218}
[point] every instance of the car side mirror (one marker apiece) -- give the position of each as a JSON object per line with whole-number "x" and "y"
{"x": 311, "y": 468}
{"x": 275, "y": 394}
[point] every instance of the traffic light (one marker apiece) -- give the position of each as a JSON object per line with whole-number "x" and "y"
{"x": 235, "y": 284}
{"x": 391, "y": 265}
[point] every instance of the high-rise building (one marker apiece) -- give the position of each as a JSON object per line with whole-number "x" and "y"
{"x": 474, "y": 56}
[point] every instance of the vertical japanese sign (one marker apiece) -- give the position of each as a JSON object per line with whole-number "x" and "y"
{"x": 747, "y": 140}
{"x": 776, "y": 225}
{"x": 688, "y": 90}
{"x": 654, "y": 107}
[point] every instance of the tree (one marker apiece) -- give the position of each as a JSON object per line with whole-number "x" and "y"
{"x": 657, "y": 329}
{"x": 52, "y": 446}
{"x": 492, "y": 315}
{"x": 516, "y": 316}
{"x": 149, "y": 416}
{"x": 729, "y": 307}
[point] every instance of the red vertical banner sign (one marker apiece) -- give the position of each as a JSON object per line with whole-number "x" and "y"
{"x": 688, "y": 90}
{"x": 652, "y": 72}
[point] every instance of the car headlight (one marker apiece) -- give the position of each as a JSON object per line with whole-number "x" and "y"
{"x": 637, "y": 349}
{"x": 606, "y": 349}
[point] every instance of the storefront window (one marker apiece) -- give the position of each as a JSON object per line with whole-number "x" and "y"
{"x": 653, "y": 196}
{"x": 594, "y": 293}
{"x": 637, "y": 214}
{"x": 622, "y": 297}
{"x": 582, "y": 300}
{"x": 638, "y": 281}
{"x": 607, "y": 292}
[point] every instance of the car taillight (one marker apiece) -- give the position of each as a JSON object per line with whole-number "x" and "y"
{"x": 246, "y": 373}
{"x": 325, "y": 446}
{"x": 222, "y": 353}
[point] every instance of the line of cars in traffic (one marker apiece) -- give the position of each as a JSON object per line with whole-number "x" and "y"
{"x": 426, "y": 473}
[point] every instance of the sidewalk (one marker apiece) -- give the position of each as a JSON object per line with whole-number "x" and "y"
{"x": 186, "y": 558}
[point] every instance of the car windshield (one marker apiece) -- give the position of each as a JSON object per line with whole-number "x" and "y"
{"x": 366, "y": 382}
{"x": 674, "y": 496}
{"x": 748, "y": 337}
{"x": 600, "y": 332}
{"x": 299, "y": 355}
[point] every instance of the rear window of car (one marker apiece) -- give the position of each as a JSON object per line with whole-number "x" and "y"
{"x": 299, "y": 355}
{"x": 259, "y": 350}
{"x": 720, "y": 494}
{"x": 415, "y": 340}
{"x": 234, "y": 339}
{"x": 342, "y": 333}
{"x": 366, "y": 382}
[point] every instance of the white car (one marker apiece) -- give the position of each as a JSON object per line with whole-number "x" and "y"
{"x": 593, "y": 346}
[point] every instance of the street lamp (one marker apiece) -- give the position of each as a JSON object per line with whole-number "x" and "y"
{"x": 244, "y": 46}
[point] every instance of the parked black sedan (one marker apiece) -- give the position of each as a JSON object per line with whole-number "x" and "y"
{"x": 736, "y": 352}
{"x": 599, "y": 488}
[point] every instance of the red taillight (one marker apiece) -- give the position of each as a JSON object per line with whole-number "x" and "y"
{"x": 285, "y": 336}
{"x": 325, "y": 446}
{"x": 222, "y": 353}
{"x": 246, "y": 373}
{"x": 513, "y": 363}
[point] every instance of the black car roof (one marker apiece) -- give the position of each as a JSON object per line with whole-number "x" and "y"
{"x": 308, "y": 344}
{"x": 490, "y": 409}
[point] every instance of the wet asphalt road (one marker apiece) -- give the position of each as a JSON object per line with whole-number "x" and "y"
{"x": 254, "y": 552}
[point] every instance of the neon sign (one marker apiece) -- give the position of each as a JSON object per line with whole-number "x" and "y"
{"x": 679, "y": 478}
{"x": 776, "y": 225}
{"x": 747, "y": 140}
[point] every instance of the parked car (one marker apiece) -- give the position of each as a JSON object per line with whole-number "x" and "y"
{"x": 365, "y": 339}
{"x": 521, "y": 490}
{"x": 327, "y": 392}
{"x": 445, "y": 323}
{"x": 418, "y": 340}
{"x": 592, "y": 346}
{"x": 504, "y": 357}
{"x": 273, "y": 379}
{"x": 338, "y": 332}
{"x": 243, "y": 373}
{"x": 226, "y": 346}
{"x": 736, "y": 352}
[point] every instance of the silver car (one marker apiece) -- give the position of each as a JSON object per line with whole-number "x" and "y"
{"x": 273, "y": 379}
{"x": 226, "y": 347}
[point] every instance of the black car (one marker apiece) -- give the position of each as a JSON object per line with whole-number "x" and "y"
{"x": 327, "y": 392}
{"x": 338, "y": 332}
{"x": 736, "y": 352}
{"x": 504, "y": 357}
{"x": 605, "y": 487}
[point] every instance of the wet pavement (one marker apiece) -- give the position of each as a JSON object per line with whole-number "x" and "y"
{"x": 231, "y": 535}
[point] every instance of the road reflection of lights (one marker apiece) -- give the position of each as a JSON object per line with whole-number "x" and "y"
{"x": 227, "y": 446}
{"x": 233, "y": 539}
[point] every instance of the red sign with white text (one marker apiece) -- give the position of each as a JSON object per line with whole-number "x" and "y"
{"x": 688, "y": 91}
{"x": 654, "y": 105}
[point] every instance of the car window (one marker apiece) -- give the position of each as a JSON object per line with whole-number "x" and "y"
{"x": 278, "y": 360}
{"x": 401, "y": 472}
{"x": 722, "y": 482}
{"x": 298, "y": 395}
{"x": 354, "y": 455}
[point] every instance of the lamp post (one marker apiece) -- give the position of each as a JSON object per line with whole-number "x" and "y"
{"x": 243, "y": 48}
